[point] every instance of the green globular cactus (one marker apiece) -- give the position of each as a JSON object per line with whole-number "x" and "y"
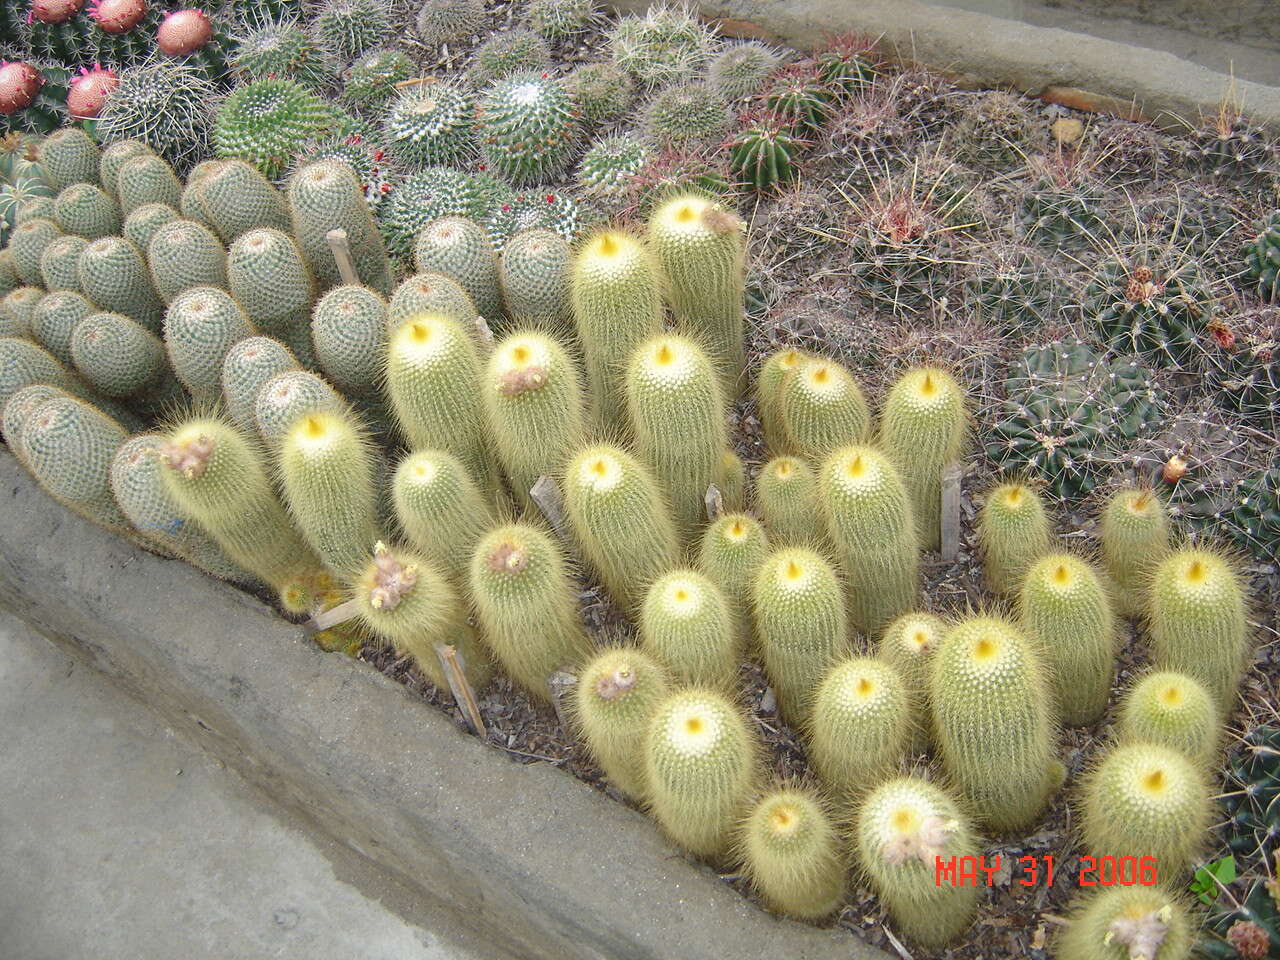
{"x": 440, "y": 509}
{"x": 790, "y": 850}
{"x": 861, "y": 725}
{"x": 510, "y": 52}
{"x": 528, "y": 127}
{"x": 798, "y": 97}
{"x": 700, "y": 249}
{"x": 610, "y": 168}
{"x": 677, "y": 413}
{"x": 280, "y": 49}
{"x": 623, "y": 528}
{"x": 1134, "y": 535}
{"x": 801, "y": 625}
{"x": 602, "y": 91}
{"x": 86, "y": 211}
{"x": 139, "y": 491}
{"x": 113, "y": 274}
{"x": 267, "y": 277}
{"x": 765, "y": 154}
{"x": 26, "y": 204}
{"x": 922, "y": 429}
{"x": 1126, "y": 923}
{"x": 325, "y": 196}
{"x": 685, "y": 624}
{"x": 787, "y": 497}
{"x": 430, "y": 123}
{"x": 68, "y": 445}
{"x": 1014, "y": 529}
{"x": 349, "y": 332}
{"x": 115, "y": 156}
{"x": 1197, "y": 621}
{"x": 668, "y": 44}
{"x": 267, "y": 122}
{"x": 1145, "y": 800}
{"x": 431, "y": 293}
{"x": 344, "y": 29}
{"x": 183, "y": 254}
{"x": 560, "y": 19}
{"x": 617, "y": 305}
{"x": 1064, "y": 609}
{"x": 533, "y": 274}
{"x": 449, "y": 21}
{"x": 54, "y": 319}
{"x": 993, "y": 721}
{"x": 201, "y": 325}
{"x": 27, "y": 243}
{"x": 433, "y": 382}
{"x": 433, "y": 193}
{"x": 770, "y": 379}
{"x": 740, "y": 70}
{"x": 15, "y": 316}
{"x": 460, "y": 248}
{"x": 1145, "y": 306}
{"x": 370, "y": 82}
{"x": 533, "y": 408}
{"x": 525, "y": 604}
{"x": 246, "y": 368}
{"x": 701, "y": 762}
{"x": 687, "y": 116}
{"x": 285, "y": 399}
{"x": 903, "y": 827}
{"x": 234, "y": 197}
{"x": 822, "y": 407}
{"x": 165, "y": 104}
{"x": 141, "y": 225}
{"x": 908, "y": 645}
{"x": 22, "y": 363}
{"x": 328, "y": 471}
{"x": 1173, "y": 710}
{"x": 59, "y": 263}
{"x": 869, "y": 519}
{"x": 146, "y": 179}
{"x": 403, "y": 598}
{"x": 8, "y": 279}
{"x": 122, "y": 358}
{"x": 216, "y": 476}
{"x": 618, "y": 692}
{"x": 69, "y": 156}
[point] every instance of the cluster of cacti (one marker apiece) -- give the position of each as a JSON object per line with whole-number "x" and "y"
{"x": 664, "y": 46}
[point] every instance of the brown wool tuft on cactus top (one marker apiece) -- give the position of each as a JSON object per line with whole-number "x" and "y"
{"x": 391, "y": 579}
{"x": 188, "y": 456}
{"x": 507, "y": 557}
{"x": 611, "y": 686}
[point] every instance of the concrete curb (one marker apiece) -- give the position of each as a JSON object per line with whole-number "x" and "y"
{"x": 1077, "y": 69}
{"x": 526, "y": 859}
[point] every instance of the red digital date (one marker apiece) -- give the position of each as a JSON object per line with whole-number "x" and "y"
{"x": 1094, "y": 871}
{"x": 1117, "y": 871}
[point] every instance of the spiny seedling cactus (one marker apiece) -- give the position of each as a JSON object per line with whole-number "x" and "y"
{"x": 449, "y": 21}
{"x": 1197, "y": 620}
{"x": 525, "y": 605}
{"x": 85, "y": 210}
{"x": 799, "y": 98}
{"x": 533, "y": 408}
{"x": 430, "y": 123}
{"x": 533, "y": 274}
{"x": 687, "y": 115}
{"x": 233, "y": 197}
{"x": 790, "y": 850}
{"x": 325, "y": 196}
{"x": 245, "y": 369}
{"x": 1262, "y": 258}
{"x": 280, "y": 49}
{"x": 733, "y": 547}
{"x": 821, "y": 407}
{"x": 266, "y": 122}
{"x": 1134, "y": 535}
{"x": 861, "y": 725}
{"x": 664, "y": 46}
{"x": 370, "y": 82}
{"x": 1070, "y": 415}
{"x": 1230, "y": 147}
{"x": 1173, "y": 710}
{"x": 1065, "y": 609}
{"x": 686, "y": 625}
{"x": 431, "y": 293}
{"x": 902, "y": 828}
{"x": 787, "y": 498}
{"x": 618, "y": 691}
{"x": 740, "y": 70}
{"x": 993, "y": 721}
{"x": 183, "y": 254}
{"x": 1065, "y": 205}
{"x": 349, "y": 331}
{"x": 60, "y": 262}
{"x": 440, "y": 509}
{"x": 69, "y": 156}
{"x": 285, "y": 399}
{"x": 603, "y": 92}
{"x": 344, "y": 29}
{"x": 200, "y": 326}
{"x": 113, "y": 274}
{"x": 700, "y": 764}
{"x": 528, "y": 127}
{"x": 610, "y": 166}
{"x": 1126, "y": 923}
{"x": 513, "y": 51}
{"x": 167, "y": 105}
{"x": 53, "y": 320}
{"x": 1013, "y": 530}
{"x": 1146, "y": 800}
{"x": 1007, "y": 283}
{"x": 460, "y": 248}
{"x": 267, "y": 277}
{"x": 869, "y": 518}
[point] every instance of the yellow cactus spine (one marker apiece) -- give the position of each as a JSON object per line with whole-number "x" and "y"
{"x": 791, "y": 852}
{"x": 1013, "y": 530}
{"x": 1135, "y": 537}
{"x": 686, "y": 625}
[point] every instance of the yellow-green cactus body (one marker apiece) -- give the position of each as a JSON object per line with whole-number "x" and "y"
{"x": 861, "y": 725}
{"x": 686, "y": 625}
{"x": 733, "y": 547}
{"x": 1124, "y": 923}
{"x": 787, "y": 496}
{"x": 440, "y": 509}
{"x": 823, "y": 408}
{"x": 731, "y": 481}
{"x": 1134, "y": 533}
{"x": 908, "y": 644}
{"x": 1013, "y": 530}
{"x": 1173, "y": 710}
{"x": 773, "y": 372}
{"x": 285, "y": 399}
{"x": 618, "y": 692}
{"x": 791, "y": 852}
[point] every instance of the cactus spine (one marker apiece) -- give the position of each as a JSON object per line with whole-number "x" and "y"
{"x": 1013, "y": 530}
{"x": 1124, "y": 923}
{"x": 86, "y": 211}
{"x": 787, "y": 495}
{"x": 1135, "y": 538}
{"x": 861, "y": 725}
{"x": 234, "y": 198}
{"x": 823, "y": 408}
{"x": 1173, "y": 710}
{"x": 200, "y": 328}
{"x": 790, "y": 850}
{"x": 685, "y": 625}
{"x": 733, "y": 547}
{"x": 440, "y": 509}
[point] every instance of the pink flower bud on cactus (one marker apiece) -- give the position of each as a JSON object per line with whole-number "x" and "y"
{"x": 19, "y": 84}
{"x": 89, "y": 91}
{"x": 183, "y": 32}
{"x": 118, "y": 16}
{"x": 53, "y": 11}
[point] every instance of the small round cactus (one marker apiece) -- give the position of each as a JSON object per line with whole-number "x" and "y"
{"x": 22, "y": 364}
{"x": 440, "y": 509}
{"x": 85, "y": 210}
{"x": 120, "y": 357}
{"x": 200, "y": 327}
{"x": 325, "y": 196}
{"x": 54, "y": 319}
{"x": 141, "y": 225}
{"x": 266, "y": 122}
{"x": 449, "y": 21}
{"x": 822, "y": 407}
{"x": 422, "y": 198}
{"x": 431, "y": 293}
{"x": 664, "y": 46}
{"x": 113, "y": 274}
{"x": 1134, "y": 534}
{"x": 1173, "y": 710}
{"x": 511, "y": 52}
{"x": 245, "y": 369}
{"x": 27, "y": 244}
{"x": 790, "y": 849}
{"x": 685, "y": 625}
{"x": 1013, "y": 530}
{"x": 740, "y": 70}
{"x": 528, "y": 127}
{"x": 603, "y": 91}
{"x": 430, "y": 123}
{"x": 234, "y": 197}
{"x": 459, "y": 248}
{"x": 610, "y": 167}
{"x": 183, "y": 254}
{"x": 115, "y": 156}
{"x": 370, "y": 82}
{"x": 861, "y": 725}
{"x": 349, "y": 332}
{"x": 688, "y": 115}
{"x": 533, "y": 273}
{"x": 280, "y": 49}
{"x": 15, "y": 412}
{"x": 769, "y": 395}
{"x": 69, "y": 156}
{"x": 68, "y": 445}
{"x": 146, "y": 179}
{"x": 267, "y": 277}
{"x": 60, "y": 263}
{"x": 908, "y": 645}
{"x": 558, "y": 19}
{"x": 1124, "y": 923}
{"x": 344, "y": 29}
{"x": 165, "y": 104}
{"x": 787, "y": 497}
{"x": 286, "y": 398}
{"x": 733, "y": 547}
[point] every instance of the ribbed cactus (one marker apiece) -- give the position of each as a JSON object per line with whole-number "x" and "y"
{"x": 733, "y": 547}
{"x": 431, "y": 293}
{"x": 801, "y": 625}
{"x": 234, "y": 197}
{"x": 993, "y": 722}
{"x": 405, "y": 599}
{"x": 618, "y": 692}
{"x": 1013, "y": 530}
{"x": 1064, "y": 609}
{"x": 1173, "y": 710}
{"x": 533, "y": 274}
{"x": 69, "y": 156}
{"x": 59, "y": 263}
{"x": 325, "y": 196}
{"x": 1145, "y": 800}
{"x": 27, "y": 243}
{"x": 285, "y": 399}
{"x": 790, "y": 849}
{"x": 869, "y": 518}
{"x": 676, "y": 408}
{"x": 440, "y": 509}
{"x": 861, "y": 724}
{"x": 902, "y": 829}
{"x": 685, "y": 624}
{"x": 141, "y": 225}
{"x": 1198, "y": 623}
{"x": 183, "y": 254}
{"x": 86, "y": 211}
{"x": 1127, "y": 923}
{"x": 701, "y": 766}
{"x": 908, "y": 645}
{"x": 769, "y": 394}
{"x": 528, "y": 127}
{"x": 122, "y": 358}
{"x": 460, "y": 248}
{"x": 144, "y": 179}
{"x": 115, "y": 156}
{"x": 701, "y": 247}
{"x": 329, "y": 473}
{"x": 533, "y": 407}
{"x": 113, "y": 274}
{"x": 430, "y": 123}
{"x": 433, "y": 376}
{"x": 1134, "y": 534}
{"x": 53, "y": 321}
{"x": 201, "y": 325}
{"x": 349, "y": 333}
{"x": 822, "y": 408}
{"x": 217, "y": 477}
{"x": 922, "y": 429}
{"x": 524, "y": 601}
{"x": 617, "y": 306}
{"x": 245, "y": 369}
{"x": 266, "y": 275}
{"x": 787, "y": 497}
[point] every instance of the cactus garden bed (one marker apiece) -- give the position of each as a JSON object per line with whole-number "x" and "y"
{"x": 825, "y": 225}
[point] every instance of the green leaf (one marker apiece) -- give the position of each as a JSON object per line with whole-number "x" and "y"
{"x": 1212, "y": 876}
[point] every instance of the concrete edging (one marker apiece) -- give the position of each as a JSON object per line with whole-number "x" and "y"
{"x": 526, "y": 859}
